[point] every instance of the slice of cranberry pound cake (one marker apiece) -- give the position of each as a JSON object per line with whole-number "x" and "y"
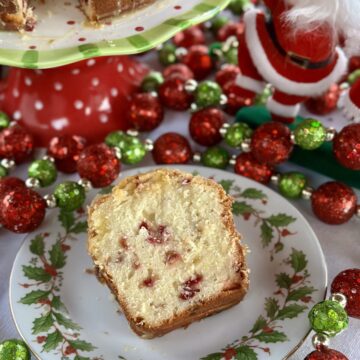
{"x": 16, "y": 15}
{"x": 166, "y": 245}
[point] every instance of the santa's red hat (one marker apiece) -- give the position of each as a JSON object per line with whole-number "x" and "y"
{"x": 351, "y": 102}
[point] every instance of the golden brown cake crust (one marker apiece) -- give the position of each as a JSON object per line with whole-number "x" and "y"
{"x": 229, "y": 296}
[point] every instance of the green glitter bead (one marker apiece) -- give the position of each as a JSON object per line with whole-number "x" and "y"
{"x": 69, "y": 195}
{"x": 292, "y": 184}
{"x": 152, "y": 81}
{"x": 237, "y": 133}
{"x": 115, "y": 138}
{"x": 353, "y": 76}
{"x": 215, "y": 50}
{"x": 132, "y": 150}
{"x": 328, "y": 317}
{"x": 231, "y": 56}
{"x": 218, "y": 22}
{"x": 4, "y": 120}
{"x": 43, "y": 170}
{"x": 3, "y": 171}
{"x": 237, "y": 7}
{"x": 310, "y": 134}
{"x": 208, "y": 93}
{"x": 215, "y": 157}
{"x": 261, "y": 99}
{"x": 14, "y": 350}
{"x": 167, "y": 54}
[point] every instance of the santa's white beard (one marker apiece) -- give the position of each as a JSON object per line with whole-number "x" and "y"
{"x": 342, "y": 15}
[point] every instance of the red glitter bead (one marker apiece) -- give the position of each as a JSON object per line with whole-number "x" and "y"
{"x": 171, "y": 148}
{"x": 10, "y": 183}
{"x": 246, "y": 165}
{"x": 227, "y": 74}
{"x": 146, "y": 113}
{"x": 354, "y": 63}
{"x": 16, "y": 144}
{"x": 326, "y": 354}
{"x": 346, "y": 146}
{"x": 22, "y": 210}
{"x": 334, "y": 202}
{"x": 348, "y": 284}
{"x": 65, "y": 149}
{"x": 199, "y": 61}
{"x": 98, "y": 164}
{"x": 189, "y": 37}
{"x": 205, "y": 126}
{"x": 230, "y": 29}
{"x": 271, "y": 143}
{"x": 235, "y": 99}
{"x": 173, "y": 95}
{"x": 179, "y": 71}
{"x": 326, "y": 103}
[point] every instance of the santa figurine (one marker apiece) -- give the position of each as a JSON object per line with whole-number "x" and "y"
{"x": 293, "y": 45}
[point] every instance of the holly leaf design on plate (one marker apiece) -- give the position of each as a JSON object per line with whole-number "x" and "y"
{"x": 290, "y": 311}
{"x": 271, "y": 307}
{"x": 66, "y": 322}
{"x": 226, "y": 184}
{"x": 271, "y": 337}
{"x": 36, "y": 273}
{"x": 43, "y": 323}
{"x": 52, "y": 341}
{"x": 57, "y": 256}
{"x": 78, "y": 357}
{"x": 37, "y": 245}
{"x": 245, "y": 353}
{"x": 259, "y": 324}
{"x": 280, "y": 220}
{"x": 66, "y": 219}
{"x": 298, "y": 260}
{"x": 241, "y": 208}
{"x": 283, "y": 280}
{"x": 34, "y": 296}
{"x": 79, "y": 227}
{"x": 81, "y": 345}
{"x": 252, "y": 193}
{"x": 56, "y": 303}
{"x": 215, "y": 356}
{"x": 299, "y": 293}
{"x": 267, "y": 233}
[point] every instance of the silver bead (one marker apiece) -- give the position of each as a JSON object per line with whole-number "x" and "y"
{"x": 330, "y": 134}
{"x": 232, "y": 161}
{"x": 32, "y": 183}
{"x": 50, "y": 201}
{"x": 275, "y": 179}
{"x": 154, "y": 94}
{"x": 307, "y": 193}
{"x": 224, "y": 129}
{"x": 292, "y": 138}
{"x": 320, "y": 340}
{"x": 357, "y": 212}
{"x": 149, "y": 145}
{"x": 223, "y": 99}
{"x": 246, "y": 145}
{"x": 339, "y": 298}
{"x": 194, "y": 107}
{"x": 344, "y": 86}
{"x": 86, "y": 184}
{"x": 180, "y": 52}
{"x": 7, "y": 163}
{"x": 231, "y": 42}
{"x": 132, "y": 132}
{"x": 117, "y": 152}
{"x": 191, "y": 85}
{"x": 197, "y": 157}
{"x": 48, "y": 158}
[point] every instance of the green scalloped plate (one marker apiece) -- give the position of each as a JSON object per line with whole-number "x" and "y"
{"x": 62, "y": 35}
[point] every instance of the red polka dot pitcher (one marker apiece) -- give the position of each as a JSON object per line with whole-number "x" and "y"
{"x": 89, "y": 98}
